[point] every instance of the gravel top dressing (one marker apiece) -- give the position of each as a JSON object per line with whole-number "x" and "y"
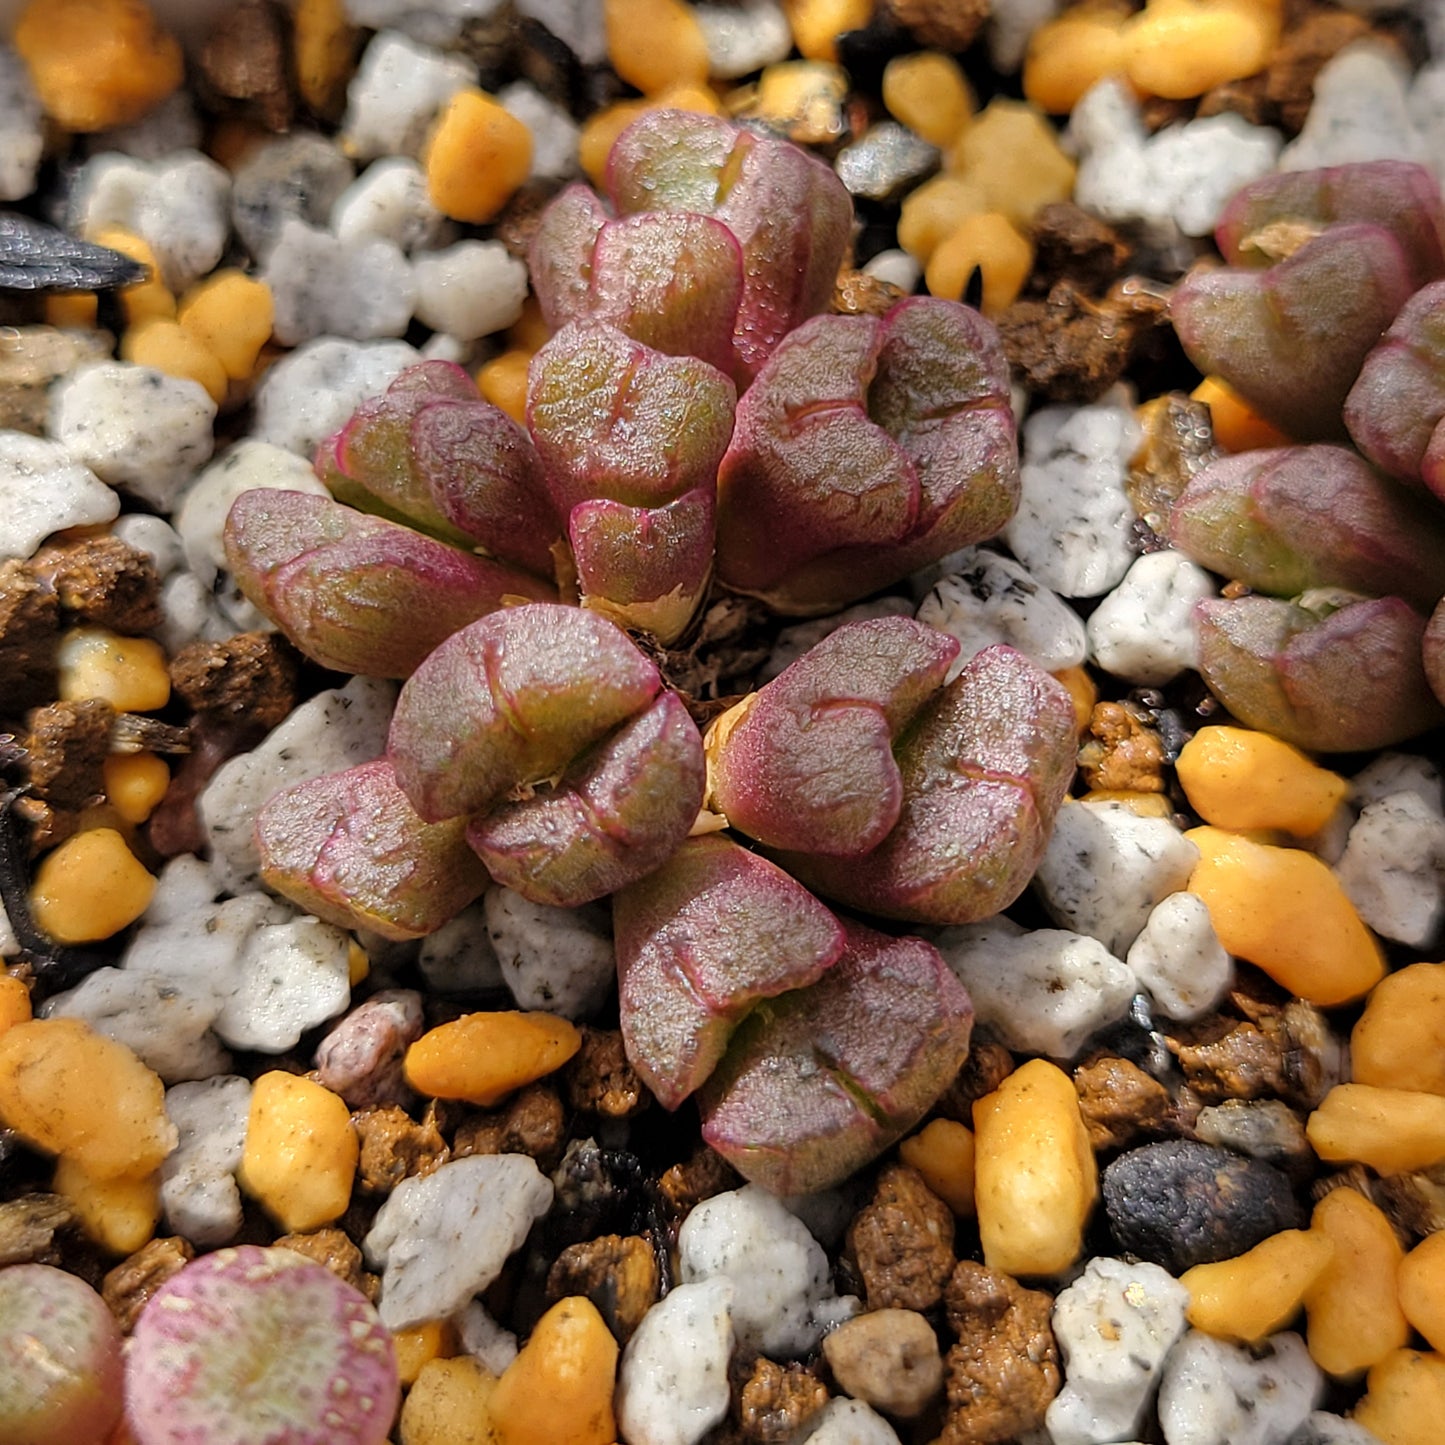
{"x": 720, "y": 722}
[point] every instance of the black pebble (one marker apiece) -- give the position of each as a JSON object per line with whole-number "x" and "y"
{"x": 1179, "y": 1204}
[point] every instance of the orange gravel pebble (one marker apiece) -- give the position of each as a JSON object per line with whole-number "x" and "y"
{"x": 1260, "y": 1291}
{"x": 483, "y": 1057}
{"x": 120, "y": 1215}
{"x": 1394, "y": 1131}
{"x": 476, "y": 158}
{"x": 89, "y": 888}
{"x": 653, "y": 44}
{"x": 1422, "y": 1289}
{"x": 1405, "y": 1402}
{"x": 1397, "y": 1043}
{"x": 14, "y": 1002}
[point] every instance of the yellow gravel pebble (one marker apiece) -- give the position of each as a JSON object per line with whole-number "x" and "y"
{"x": 816, "y": 24}
{"x": 987, "y": 243}
{"x": 135, "y": 783}
{"x": 127, "y": 672}
{"x": 933, "y": 211}
{"x": 231, "y": 315}
{"x": 1238, "y": 778}
{"x": 1397, "y": 1042}
{"x": 1422, "y": 1289}
{"x": 449, "y": 1404}
{"x": 301, "y": 1151}
{"x": 120, "y": 1215}
{"x": 71, "y": 1091}
{"x": 1034, "y": 1172}
{"x": 323, "y": 44}
{"x": 1181, "y": 48}
{"x": 503, "y": 382}
{"x": 1068, "y": 55}
{"x": 97, "y": 63}
{"x": 477, "y": 156}
{"x": 943, "y": 1154}
{"x": 1285, "y": 911}
{"x": 1394, "y": 1131}
{"x": 147, "y": 300}
{"x": 1237, "y": 426}
{"x": 653, "y": 44}
{"x": 483, "y": 1057}
{"x": 169, "y": 347}
{"x": 1355, "y": 1318}
{"x": 1014, "y": 154}
{"x": 419, "y": 1346}
{"x": 1405, "y": 1401}
{"x": 14, "y": 1002}
{"x": 929, "y": 94}
{"x": 558, "y": 1391}
{"x": 1260, "y": 1291}
{"x": 72, "y": 310}
{"x": 802, "y": 98}
{"x": 89, "y": 888}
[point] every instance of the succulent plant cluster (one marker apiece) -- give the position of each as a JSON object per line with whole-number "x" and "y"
{"x": 534, "y": 743}
{"x": 1329, "y": 318}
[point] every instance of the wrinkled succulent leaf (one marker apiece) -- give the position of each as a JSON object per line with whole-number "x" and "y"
{"x": 1349, "y": 680}
{"x": 865, "y": 450}
{"x": 699, "y": 943}
{"x": 560, "y": 256}
{"x": 1433, "y": 650}
{"x": 810, "y": 766}
{"x": 1291, "y": 340}
{"x": 646, "y": 568}
{"x": 669, "y": 160}
{"x": 615, "y": 815}
{"x": 355, "y": 592}
{"x": 1288, "y": 519}
{"x": 510, "y": 701}
{"x": 819, "y": 1081}
{"x": 1395, "y": 407}
{"x": 349, "y": 848}
{"x": 985, "y": 766}
{"x": 1269, "y": 217}
{"x": 613, "y": 418}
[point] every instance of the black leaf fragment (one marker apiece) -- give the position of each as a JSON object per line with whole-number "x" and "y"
{"x": 37, "y": 257}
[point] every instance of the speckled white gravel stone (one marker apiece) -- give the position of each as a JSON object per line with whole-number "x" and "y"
{"x": 434, "y": 22}
{"x": 322, "y": 286}
{"x": 44, "y": 489}
{"x": 459, "y": 958}
{"x": 293, "y": 177}
{"x": 1215, "y": 1393}
{"x": 441, "y": 1239}
{"x": 991, "y": 598}
{"x": 1114, "y": 1324}
{"x": 1322, "y": 1428}
{"x": 743, "y": 38}
{"x": 311, "y": 393}
{"x": 155, "y": 537}
{"x": 554, "y": 132}
{"x": 334, "y": 730}
{"x": 1105, "y": 868}
{"x": 480, "y": 1336}
{"x": 850, "y": 1422}
{"x": 779, "y": 1273}
{"x": 1179, "y": 960}
{"x": 1143, "y": 631}
{"x": 469, "y": 290}
{"x": 397, "y": 91}
{"x": 1393, "y": 868}
{"x": 1359, "y": 113}
{"x": 560, "y": 960}
{"x": 1265, "y": 1129}
{"x": 1041, "y": 991}
{"x": 672, "y": 1385}
{"x": 189, "y": 613}
{"x": 388, "y": 201}
{"x": 792, "y": 642}
{"x": 198, "y": 1186}
{"x": 22, "y": 131}
{"x": 1073, "y": 524}
{"x": 1392, "y": 773}
{"x": 895, "y": 267}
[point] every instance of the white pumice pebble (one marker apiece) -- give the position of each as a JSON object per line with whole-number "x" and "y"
{"x": 9, "y": 944}
{"x": 1359, "y": 113}
{"x": 578, "y": 24}
{"x": 179, "y": 205}
{"x": 199, "y": 1195}
{"x": 554, "y": 132}
{"x": 779, "y": 1273}
{"x": 672, "y": 1384}
{"x": 743, "y": 38}
{"x": 1073, "y": 525}
{"x": 189, "y": 613}
{"x": 363, "y": 1057}
{"x": 560, "y": 960}
{"x": 1114, "y": 1324}
{"x": 388, "y": 201}
{"x": 322, "y": 286}
{"x": 896, "y": 267}
{"x": 312, "y": 392}
{"x": 1265, "y": 1129}
{"x": 1214, "y": 1393}
{"x": 399, "y": 88}
{"x": 433, "y": 22}
{"x": 44, "y": 489}
{"x": 155, "y": 537}
{"x": 459, "y": 958}
{"x": 22, "y": 129}
{"x": 334, "y": 730}
{"x": 1392, "y": 773}
{"x": 134, "y": 427}
{"x": 1105, "y": 868}
{"x": 469, "y": 290}
{"x": 441, "y": 1239}
{"x": 1178, "y": 958}
{"x": 792, "y": 642}
{"x": 296, "y": 177}
{"x": 991, "y": 598}
{"x": 1393, "y": 868}
{"x": 481, "y": 1337}
{"x": 1143, "y": 631}
{"x": 850, "y": 1422}
{"x": 1044, "y": 991}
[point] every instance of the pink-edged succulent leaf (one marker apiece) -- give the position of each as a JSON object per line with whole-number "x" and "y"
{"x": 985, "y": 765}
{"x": 1272, "y": 217}
{"x": 807, "y": 762}
{"x": 560, "y": 256}
{"x": 1291, "y": 339}
{"x": 867, "y": 448}
{"x": 1397, "y": 403}
{"x": 617, "y": 813}
{"x": 511, "y": 701}
{"x": 431, "y": 452}
{"x": 790, "y": 213}
{"x": 646, "y": 568}
{"x": 1433, "y": 649}
{"x": 699, "y": 943}
{"x": 1332, "y": 675}
{"x": 819, "y": 1081}
{"x": 351, "y": 849}
{"x": 359, "y": 593}
{"x": 1284, "y": 520}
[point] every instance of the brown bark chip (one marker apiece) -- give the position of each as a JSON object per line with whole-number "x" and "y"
{"x": 243, "y": 63}
{"x": 28, "y": 1226}
{"x": 250, "y": 677}
{"x": 903, "y": 1242}
{"x": 68, "y": 744}
{"x": 395, "y": 1147}
{"x": 701, "y": 1175}
{"x": 599, "y": 1080}
{"x": 334, "y": 1248}
{"x": 1072, "y": 245}
{"x": 1120, "y": 1102}
{"x": 532, "y": 1123}
{"x": 29, "y": 629}
{"x": 618, "y": 1273}
{"x": 776, "y": 1402}
{"x": 128, "y": 1288}
{"x": 103, "y": 582}
{"x": 939, "y": 24}
{"x": 1123, "y": 752}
